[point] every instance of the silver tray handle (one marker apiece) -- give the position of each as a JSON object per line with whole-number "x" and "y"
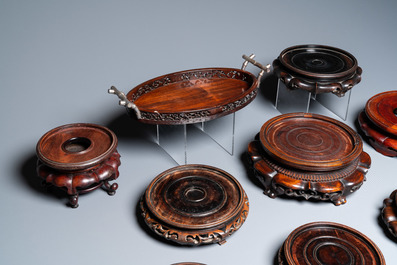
{"x": 124, "y": 101}
{"x": 250, "y": 59}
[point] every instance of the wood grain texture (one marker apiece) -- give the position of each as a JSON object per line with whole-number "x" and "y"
{"x": 194, "y": 205}
{"x": 79, "y": 158}
{"x": 310, "y": 142}
{"x": 381, "y": 109}
{"x": 193, "y": 95}
{"x": 280, "y": 180}
{"x": 328, "y": 243}
{"x": 383, "y": 142}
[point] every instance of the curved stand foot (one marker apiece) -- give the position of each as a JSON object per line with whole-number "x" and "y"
{"x": 110, "y": 188}
{"x": 74, "y": 200}
{"x": 338, "y": 200}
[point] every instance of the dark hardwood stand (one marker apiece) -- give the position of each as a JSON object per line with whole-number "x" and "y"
{"x": 389, "y": 213}
{"x": 379, "y": 122}
{"x": 79, "y": 158}
{"x": 328, "y": 243}
{"x": 313, "y": 73}
{"x": 308, "y": 156}
{"x": 194, "y": 205}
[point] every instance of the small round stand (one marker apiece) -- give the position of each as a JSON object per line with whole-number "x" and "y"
{"x": 78, "y": 158}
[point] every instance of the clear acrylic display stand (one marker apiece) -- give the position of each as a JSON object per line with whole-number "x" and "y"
{"x": 174, "y": 139}
{"x": 299, "y": 100}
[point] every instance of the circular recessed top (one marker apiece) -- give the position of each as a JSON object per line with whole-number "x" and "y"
{"x": 318, "y": 61}
{"x": 310, "y": 142}
{"x": 76, "y": 146}
{"x": 328, "y": 244}
{"x": 194, "y": 197}
{"x": 381, "y": 109}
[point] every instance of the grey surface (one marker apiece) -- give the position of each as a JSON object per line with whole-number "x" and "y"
{"x": 57, "y": 60}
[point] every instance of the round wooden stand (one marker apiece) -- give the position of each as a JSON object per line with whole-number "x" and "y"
{"x": 389, "y": 213}
{"x": 78, "y": 158}
{"x": 317, "y": 69}
{"x": 379, "y": 122}
{"x": 194, "y": 205}
{"x": 310, "y": 156}
{"x": 328, "y": 243}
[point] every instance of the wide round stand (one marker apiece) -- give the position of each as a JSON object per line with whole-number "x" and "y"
{"x": 194, "y": 205}
{"x": 328, "y": 243}
{"x": 379, "y": 122}
{"x": 78, "y": 158}
{"x": 308, "y": 156}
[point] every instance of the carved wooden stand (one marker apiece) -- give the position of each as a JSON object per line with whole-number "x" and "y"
{"x": 389, "y": 213}
{"x": 79, "y": 158}
{"x": 309, "y": 156}
{"x": 194, "y": 205}
{"x": 317, "y": 69}
{"x": 379, "y": 122}
{"x": 327, "y": 244}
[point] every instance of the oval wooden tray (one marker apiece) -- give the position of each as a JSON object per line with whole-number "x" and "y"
{"x": 317, "y": 69}
{"x": 381, "y": 109}
{"x": 310, "y": 142}
{"x": 192, "y": 96}
{"x": 194, "y": 204}
{"x": 329, "y": 243}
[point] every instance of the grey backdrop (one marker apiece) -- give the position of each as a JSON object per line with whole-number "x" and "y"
{"x": 57, "y": 60}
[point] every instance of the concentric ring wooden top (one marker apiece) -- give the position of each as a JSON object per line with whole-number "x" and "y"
{"x": 76, "y": 146}
{"x": 310, "y": 141}
{"x": 195, "y": 197}
{"x": 193, "y": 95}
{"x": 381, "y": 109}
{"x": 318, "y": 61}
{"x": 329, "y": 243}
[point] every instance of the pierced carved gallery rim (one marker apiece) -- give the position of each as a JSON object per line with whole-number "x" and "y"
{"x": 328, "y": 243}
{"x": 194, "y": 204}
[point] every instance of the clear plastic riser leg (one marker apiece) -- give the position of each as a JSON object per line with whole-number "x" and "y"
{"x": 173, "y": 139}
{"x": 337, "y": 105}
{"x": 299, "y": 100}
{"x": 221, "y": 131}
{"x": 288, "y": 100}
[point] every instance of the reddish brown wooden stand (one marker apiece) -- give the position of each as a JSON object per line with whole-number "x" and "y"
{"x": 379, "y": 122}
{"x": 317, "y": 69}
{"x": 78, "y": 158}
{"x": 389, "y": 213}
{"x": 310, "y": 156}
{"x": 194, "y": 205}
{"x": 328, "y": 243}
